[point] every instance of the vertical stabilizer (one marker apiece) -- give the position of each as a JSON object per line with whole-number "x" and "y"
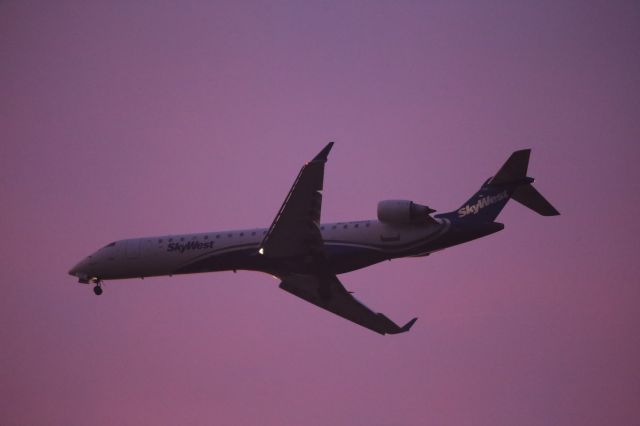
{"x": 513, "y": 170}
{"x": 511, "y": 181}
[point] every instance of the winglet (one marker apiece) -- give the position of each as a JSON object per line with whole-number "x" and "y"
{"x": 408, "y": 325}
{"x": 322, "y": 156}
{"x": 390, "y": 327}
{"x": 403, "y": 329}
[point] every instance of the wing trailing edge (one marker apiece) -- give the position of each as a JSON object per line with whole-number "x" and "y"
{"x": 328, "y": 293}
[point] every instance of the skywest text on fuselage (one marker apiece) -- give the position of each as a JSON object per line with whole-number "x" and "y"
{"x": 191, "y": 245}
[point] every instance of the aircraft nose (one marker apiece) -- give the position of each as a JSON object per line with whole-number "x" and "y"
{"x": 80, "y": 271}
{"x": 76, "y": 269}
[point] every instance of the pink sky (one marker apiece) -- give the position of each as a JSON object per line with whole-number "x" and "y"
{"x": 130, "y": 119}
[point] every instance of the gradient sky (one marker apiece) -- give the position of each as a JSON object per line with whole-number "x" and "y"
{"x": 123, "y": 119}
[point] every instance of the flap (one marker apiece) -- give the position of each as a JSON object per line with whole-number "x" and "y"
{"x": 328, "y": 293}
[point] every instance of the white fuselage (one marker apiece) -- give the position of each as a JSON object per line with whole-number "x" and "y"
{"x": 348, "y": 245}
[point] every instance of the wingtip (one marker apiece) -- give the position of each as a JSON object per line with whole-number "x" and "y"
{"x": 397, "y": 330}
{"x": 555, "y": 212}
{"x": 408, "y": 325}
{"x": 322, "y": 155}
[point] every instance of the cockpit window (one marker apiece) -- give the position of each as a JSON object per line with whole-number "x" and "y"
{"x": 110, "y": 245}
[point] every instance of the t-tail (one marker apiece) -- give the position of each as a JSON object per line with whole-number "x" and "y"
{"x": 511, "y": 182}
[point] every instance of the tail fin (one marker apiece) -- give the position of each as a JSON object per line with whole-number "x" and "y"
{"x": 511, "y": 181}
{"x": 513, "y": 170}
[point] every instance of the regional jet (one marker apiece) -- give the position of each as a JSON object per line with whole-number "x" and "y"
{"x": 307, "y": 256}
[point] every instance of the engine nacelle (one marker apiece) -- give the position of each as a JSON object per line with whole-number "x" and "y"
{"x": 403, "y": 212}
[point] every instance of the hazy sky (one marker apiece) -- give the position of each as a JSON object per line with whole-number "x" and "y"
{"x": 121, "y": 119}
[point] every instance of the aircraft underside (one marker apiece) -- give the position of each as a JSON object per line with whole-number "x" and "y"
{"x": 339, "y": 260}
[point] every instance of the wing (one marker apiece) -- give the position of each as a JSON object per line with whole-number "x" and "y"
{"x": 295, "y": 230}
{"x": 328, "y": 293}
{"x": 295, "y": 233}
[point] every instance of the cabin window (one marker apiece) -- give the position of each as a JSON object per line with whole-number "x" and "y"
{"x": 110, "y": 244}
{"x": 253, "y": 233}
{"x": 206, "y": 237}
{"x": 345, "y": 226}
{"x": 229, "y": 235}
{"x": 218, "y": 236}
{"x": 181, "y": 238}
{"x": 242, "y": 234}
{"x": 160, "y": 241}
{"x": 357, "y": 225}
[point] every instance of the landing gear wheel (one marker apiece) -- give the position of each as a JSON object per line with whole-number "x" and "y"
{"x": 97, "y": 290}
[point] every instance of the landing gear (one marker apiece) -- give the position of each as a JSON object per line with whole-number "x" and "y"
{"x": 97, "y": 290}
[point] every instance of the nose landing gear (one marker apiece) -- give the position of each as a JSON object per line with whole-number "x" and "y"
{"x": 97, "y": 289}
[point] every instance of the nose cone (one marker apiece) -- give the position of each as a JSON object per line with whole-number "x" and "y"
{"x": 79, "y": 267}
{"x": 80, "y": 271}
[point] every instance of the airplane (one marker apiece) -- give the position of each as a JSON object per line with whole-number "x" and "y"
{"x": 307, "y": 256}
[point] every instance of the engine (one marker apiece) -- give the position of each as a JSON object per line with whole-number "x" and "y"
{"x": 403, "y": 212}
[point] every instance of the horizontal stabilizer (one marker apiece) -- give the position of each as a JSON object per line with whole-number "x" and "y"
{"x": 528, "y": 196}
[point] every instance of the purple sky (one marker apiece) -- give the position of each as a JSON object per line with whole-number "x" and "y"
{"x": 130, "y": 119}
